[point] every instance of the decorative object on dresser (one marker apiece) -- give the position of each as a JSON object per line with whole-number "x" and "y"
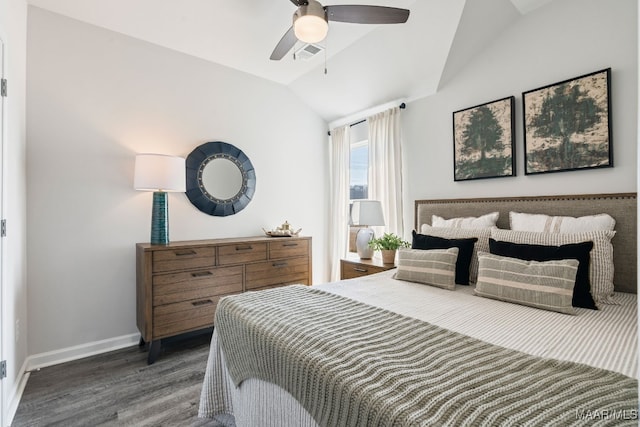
{"x": 366, "y": 213}
{"x": 484, "y": 141}
{"x": 353, "y": 266}
{"x": 567, "y": 125}
{"x": 159, "y": 173}
{"x": 179, "y": 285}
{"x": 220, "y": 178}
{"x": 284, "y": 230}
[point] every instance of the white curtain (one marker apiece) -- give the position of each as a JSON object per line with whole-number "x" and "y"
{"x": 385, "y": 167}
{"x": 339, "y": 151}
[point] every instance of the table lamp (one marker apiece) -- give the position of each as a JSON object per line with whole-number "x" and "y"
{"x": 159, "y": 173}
{"x": 366, "y": 213}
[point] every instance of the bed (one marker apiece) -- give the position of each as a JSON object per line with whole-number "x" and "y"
{"x": 464, "y": 359}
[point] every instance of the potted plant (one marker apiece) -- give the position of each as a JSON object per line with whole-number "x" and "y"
{"x": 388, "y": 244}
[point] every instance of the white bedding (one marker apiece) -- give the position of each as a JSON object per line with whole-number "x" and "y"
{"x": 605, "y": 339}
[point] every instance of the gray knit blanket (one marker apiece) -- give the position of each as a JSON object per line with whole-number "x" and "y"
{"x": 351, "y": 364}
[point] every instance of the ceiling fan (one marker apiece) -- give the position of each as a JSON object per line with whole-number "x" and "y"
{"x": 311, "y": 21}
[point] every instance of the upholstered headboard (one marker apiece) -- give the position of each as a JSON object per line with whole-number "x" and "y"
{"x": 622, "y": 207}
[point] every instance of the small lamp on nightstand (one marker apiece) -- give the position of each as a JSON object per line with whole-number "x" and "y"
{"x": 159, "y": 173}
{"x": 366, "y": 213}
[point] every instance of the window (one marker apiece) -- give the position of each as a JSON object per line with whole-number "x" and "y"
{"x": 359, "y": 162}
{"x": 359, "y": 170}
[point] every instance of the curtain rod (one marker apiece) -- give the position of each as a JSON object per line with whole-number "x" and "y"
{"x": 401, "y": 106}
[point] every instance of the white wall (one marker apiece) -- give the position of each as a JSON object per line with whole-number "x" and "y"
{"x": 558, "y": 41}
{"x": 95, "y": 98}
{"x": 13, "y": 28}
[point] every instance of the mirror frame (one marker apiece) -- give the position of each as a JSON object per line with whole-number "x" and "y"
{"x": 206, "y": 202}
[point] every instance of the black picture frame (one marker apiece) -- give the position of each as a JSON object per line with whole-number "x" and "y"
{"x": 567, "y": 125}
{"x": 484, "y": 141}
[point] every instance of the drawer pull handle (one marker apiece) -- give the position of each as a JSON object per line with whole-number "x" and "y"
{"x": 244, "y": 248}
{"x": 361, "y": 270}
{"x": 280, "y": 264}
{"x": 202, "y": 274}
{"x": 289, "y": 244}
{"x": 185, "y": 253}
{"x": 202, "y": 302}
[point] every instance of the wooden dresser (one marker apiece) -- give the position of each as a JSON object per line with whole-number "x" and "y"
{"x": 180, "y": 284}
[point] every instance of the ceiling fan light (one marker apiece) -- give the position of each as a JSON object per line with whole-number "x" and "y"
{"x": 310, "y": 22}
{"x": 310, "y": 28}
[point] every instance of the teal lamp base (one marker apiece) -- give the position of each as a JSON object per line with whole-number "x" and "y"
{"x": 160, "y": 219}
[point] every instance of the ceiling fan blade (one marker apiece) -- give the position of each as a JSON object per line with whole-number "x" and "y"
{"x": 298, "y": 2}
{"x": 284, "y": 45}
{"x": 362, "y": 14}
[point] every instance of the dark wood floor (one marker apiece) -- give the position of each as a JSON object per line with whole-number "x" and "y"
{"x": 119, "y": 389}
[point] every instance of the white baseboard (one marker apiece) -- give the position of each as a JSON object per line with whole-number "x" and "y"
{"x": 16, "y": 394}
{"x": 68, "y": 354}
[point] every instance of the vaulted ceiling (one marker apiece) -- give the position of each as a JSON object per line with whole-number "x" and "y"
{"x": 366, "y": 65}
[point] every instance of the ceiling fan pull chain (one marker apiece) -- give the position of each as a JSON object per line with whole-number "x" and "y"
{"x": 326, "y": 46}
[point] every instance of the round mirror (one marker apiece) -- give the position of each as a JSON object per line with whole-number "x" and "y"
{"x": 220, "y": 178}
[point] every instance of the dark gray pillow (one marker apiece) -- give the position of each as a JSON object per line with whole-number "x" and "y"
{"x": 465, "y": 251}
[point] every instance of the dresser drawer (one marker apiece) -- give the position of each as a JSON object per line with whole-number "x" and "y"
{"x": 184, "y": 259}
{"x": 183, "y": 286}
{"x": 277, "y": 272}
{"x": 172, "y": 319}
{"x": 285, "y": 248}
{"x": 241, "y": 253}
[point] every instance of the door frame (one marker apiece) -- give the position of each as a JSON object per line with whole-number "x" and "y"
{"x": 3, "y": 132}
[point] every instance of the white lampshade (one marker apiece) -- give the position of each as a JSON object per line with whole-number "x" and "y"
{"x": 367, "y": 213}
{"x": 159, "y": 172}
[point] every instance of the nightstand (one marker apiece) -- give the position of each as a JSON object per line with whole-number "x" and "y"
{"x": 353, "y": 266}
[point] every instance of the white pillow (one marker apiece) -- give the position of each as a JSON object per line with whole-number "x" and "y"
{"x": 484, "y": 221}
{"x": 601, "y": 257}
{"x": 560, "y": 224}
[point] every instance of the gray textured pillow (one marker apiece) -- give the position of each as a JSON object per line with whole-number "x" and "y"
{"x": 482, "y": 234}
{"x": 601, "y": 262}
{"x": 436, "y": 267}
{"x": 547, "y": 285}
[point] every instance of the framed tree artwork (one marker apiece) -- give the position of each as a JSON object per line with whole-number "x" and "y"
{"x": 567, "y": 125}
{"x": 483, "y": 141}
